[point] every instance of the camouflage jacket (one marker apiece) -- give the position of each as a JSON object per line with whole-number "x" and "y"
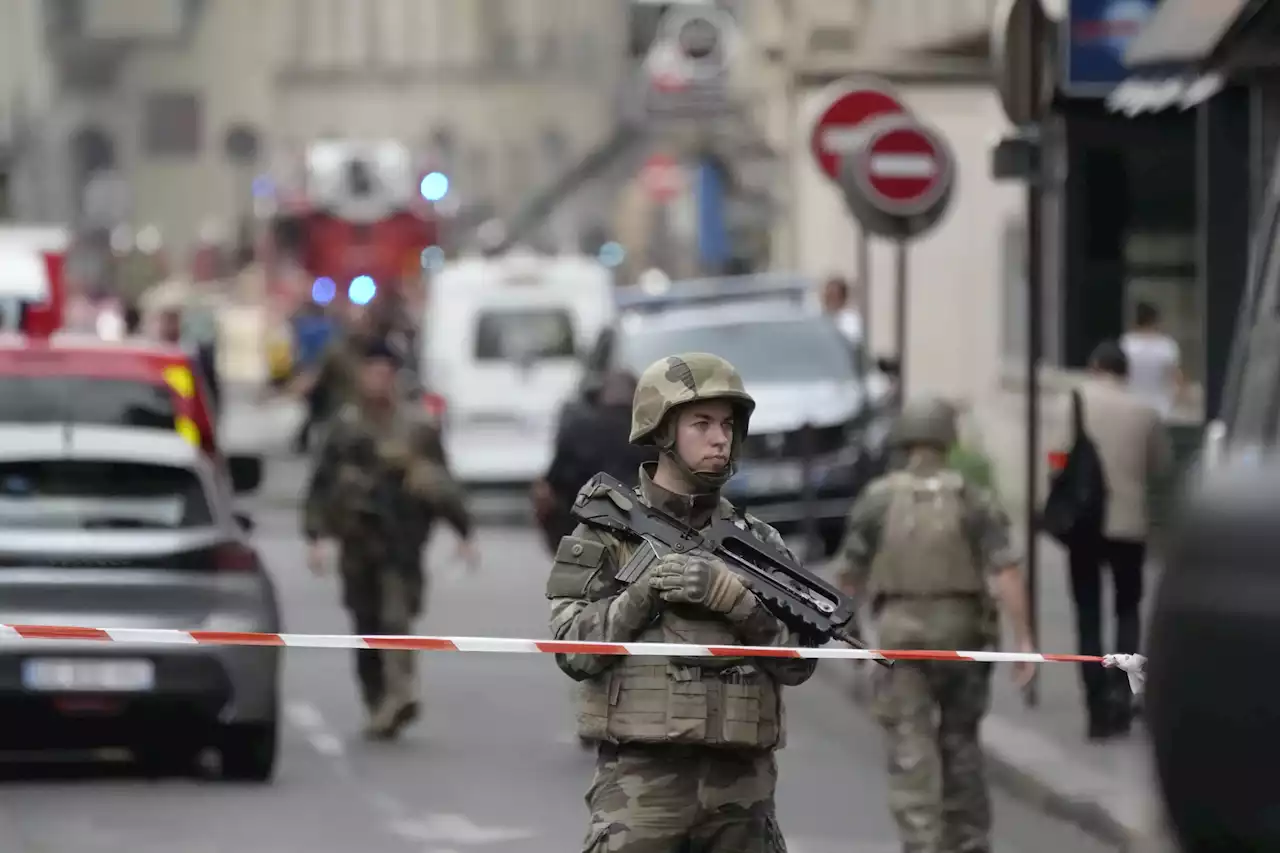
{"x": 588, "y": 604}
{"x": 381, "y": 477}
{"x": 988, "y": 530}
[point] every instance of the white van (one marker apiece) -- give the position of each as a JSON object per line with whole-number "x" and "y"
{"x": 500, "y": 348}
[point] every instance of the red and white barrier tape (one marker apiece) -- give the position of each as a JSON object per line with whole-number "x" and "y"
{"x": 500, "y": 645}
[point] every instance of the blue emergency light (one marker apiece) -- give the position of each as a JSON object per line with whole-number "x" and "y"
{"x": 323, "y": 291}
{"x": 434, "y": 186}
{"x": 362, "y": 290}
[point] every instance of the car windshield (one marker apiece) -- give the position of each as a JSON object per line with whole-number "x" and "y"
{"x": 83, "y": 400}
{"x": 526, "y": 333}
{"x": 763, "y": 351}
{"x": 87, "y": 495}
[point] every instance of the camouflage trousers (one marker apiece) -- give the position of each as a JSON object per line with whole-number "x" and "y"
{"x": 931, "y": 712}
{"x": 382, "y": 600}
{"x": 677, "y": 799}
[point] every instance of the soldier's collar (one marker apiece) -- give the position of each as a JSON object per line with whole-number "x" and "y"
{"x": 694, "y": 510}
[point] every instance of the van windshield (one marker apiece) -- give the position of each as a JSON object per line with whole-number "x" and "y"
{"x": 524, "y": 333}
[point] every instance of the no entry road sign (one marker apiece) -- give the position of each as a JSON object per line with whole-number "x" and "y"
{"x": 904, "y": 169}
{"x": 847, "y": 107}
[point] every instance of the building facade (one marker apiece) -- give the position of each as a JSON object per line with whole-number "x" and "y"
{"x": 190, "y": 101}
{"x": 963, "y": 277}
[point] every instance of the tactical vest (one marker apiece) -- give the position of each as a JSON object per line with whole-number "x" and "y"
{"x": 371, "y": 469}
{"x": 925, "y": 547}
{"x": 716, "y": 702}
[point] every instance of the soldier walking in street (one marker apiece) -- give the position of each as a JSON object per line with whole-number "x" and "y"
{"x": 333, "y": 381}
{"x": 686, "y": 754}
{"x": 928, "y": 549}
{"x": 377, "y": 485}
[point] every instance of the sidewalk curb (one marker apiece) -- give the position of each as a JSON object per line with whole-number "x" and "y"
{"x": 1017, "y": 760}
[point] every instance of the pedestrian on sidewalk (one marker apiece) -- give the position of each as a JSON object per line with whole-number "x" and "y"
{"x": 927, "y": 549}
{"x": 1155, "y": 360}
{"x": 839, "y": 303}
{"x": 1134, "y": 449}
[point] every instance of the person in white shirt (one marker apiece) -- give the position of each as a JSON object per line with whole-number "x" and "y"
{"x": 839, "y": 305}
{"x": 1155, "y": 360}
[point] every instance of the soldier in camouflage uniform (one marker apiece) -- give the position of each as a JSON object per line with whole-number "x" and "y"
{"x": 335, "y": 381}
{"x": 928, "y": 550}
{"x": 377, "y": 485}
{"x": 686, "y": 754}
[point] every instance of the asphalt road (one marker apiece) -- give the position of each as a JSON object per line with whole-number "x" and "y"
{"x": 492, "y": 766}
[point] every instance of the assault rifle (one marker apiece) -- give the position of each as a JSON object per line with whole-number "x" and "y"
{"x": 801, "y": 599}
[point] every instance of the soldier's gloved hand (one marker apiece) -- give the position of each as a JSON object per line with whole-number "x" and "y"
{"x": 706, "y": 581}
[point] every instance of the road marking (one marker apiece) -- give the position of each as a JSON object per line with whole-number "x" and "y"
{"x": 433, "y": 828}
{"x": 458, "y": 829}
{"x": 309, "y": 721}
{"x": 824, "y": 845}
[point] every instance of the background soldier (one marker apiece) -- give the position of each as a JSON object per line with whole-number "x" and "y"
{"x": 927, "y": 548}
{"x": 590, "y": 438}
{"x": 686, "y": 753}
{"x": 377, "y": 485}
{"x": 335, "y": 380}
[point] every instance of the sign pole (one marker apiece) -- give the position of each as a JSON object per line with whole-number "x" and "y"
{"x": 864, "y": 284}
{"x": 1021, "y": 42}
{"x": 1035, "y": 352}
{"x": 901, "y": 255}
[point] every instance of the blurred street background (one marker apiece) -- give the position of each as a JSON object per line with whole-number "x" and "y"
{"x": 525, "y": 190}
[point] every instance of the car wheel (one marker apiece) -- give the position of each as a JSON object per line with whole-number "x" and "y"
{"x": 249, "y": 752}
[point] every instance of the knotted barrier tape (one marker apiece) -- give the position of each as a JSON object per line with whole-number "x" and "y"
{"x": 500, "y": 645}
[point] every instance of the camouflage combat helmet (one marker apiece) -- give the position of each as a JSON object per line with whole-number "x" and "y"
{"x": 928, "y": 421}
{"x": 679, "y": 379}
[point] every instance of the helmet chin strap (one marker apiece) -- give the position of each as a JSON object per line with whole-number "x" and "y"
{"x": 703, "y": 482}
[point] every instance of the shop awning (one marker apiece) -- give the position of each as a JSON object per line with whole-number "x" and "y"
{"x": 1187, "y": 32}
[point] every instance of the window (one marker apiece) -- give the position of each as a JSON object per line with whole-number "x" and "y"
{"x": 766, "y": 351}
{"x": 172, "y": 125}
{"x": 74, "y": 399}
{"x": 534, "y": 333}
{"x": 97, "y": 495}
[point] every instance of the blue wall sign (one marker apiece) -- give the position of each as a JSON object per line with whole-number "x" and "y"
{"x": 1098, "y": 32}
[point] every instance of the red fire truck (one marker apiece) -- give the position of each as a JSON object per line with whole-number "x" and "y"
{"x": 359, "y": 224}
{"x": 32, "y": 290}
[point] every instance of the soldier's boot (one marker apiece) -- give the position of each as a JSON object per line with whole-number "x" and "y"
{"x": 399, "y": 705}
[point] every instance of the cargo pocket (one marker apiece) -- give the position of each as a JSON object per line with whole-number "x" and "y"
{"x": 741, "y": 714}
{"x": 686, "y": 705}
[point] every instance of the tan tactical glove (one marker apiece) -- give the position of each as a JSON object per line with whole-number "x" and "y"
{"x": 705, "y": 581}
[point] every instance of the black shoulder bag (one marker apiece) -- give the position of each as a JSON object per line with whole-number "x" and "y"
{"x": 1076, "y": 507}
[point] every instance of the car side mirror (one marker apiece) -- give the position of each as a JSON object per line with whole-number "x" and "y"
{"x": 245, "y": 521}
{"x": 888, "y": 365}
{"x": 246, "y": 473}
